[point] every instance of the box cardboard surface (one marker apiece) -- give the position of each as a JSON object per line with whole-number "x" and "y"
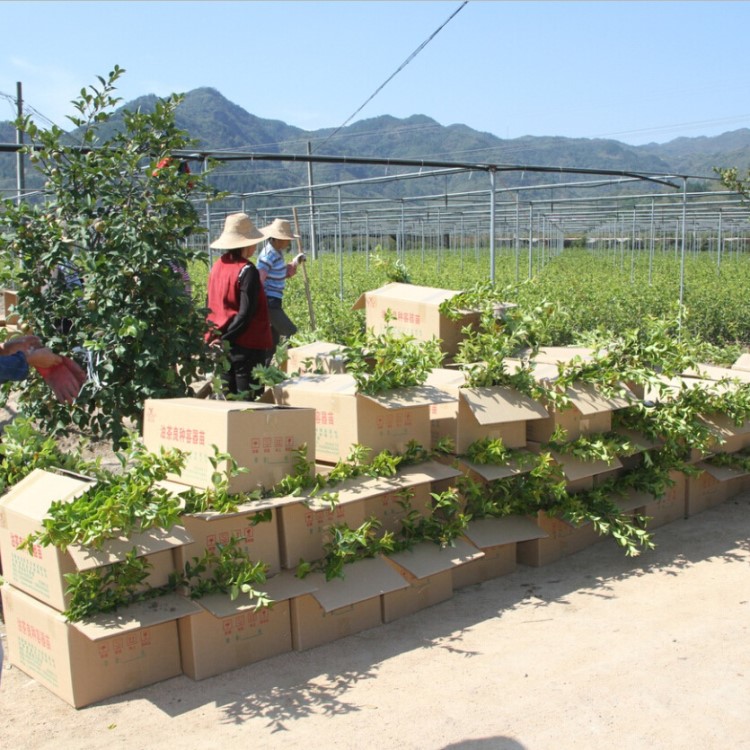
{"x": 428, "y": 569}
{"x": 305, "y": 521}
{"x": 42, "y": 573}
{"x": 258, "y": 536}
{"x": 497, "y": 538}
{"x": 344, "y": 417}
{"x": 495, "y": 412}
{"x": 261, "y": 437}
{"x": 342, "y": 606}
{"x": 415, "y": 311}
{"x": 228, "y": 634}
{"x": 563, "y": 539}
{"x": 742, "y": 363}
{"x": 105, "y": 656}
{"x": 444, "y": 416}
{"x": 713, "y": 486}
{"x": 316, "y": 357}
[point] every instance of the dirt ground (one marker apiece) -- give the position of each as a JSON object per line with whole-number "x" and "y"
{"x": 596, "y": 650}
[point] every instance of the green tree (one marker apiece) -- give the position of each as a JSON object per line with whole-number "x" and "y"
{"x": 100, "y": 250}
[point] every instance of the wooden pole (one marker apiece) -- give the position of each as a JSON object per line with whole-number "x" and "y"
{"x": 310, "y": 309}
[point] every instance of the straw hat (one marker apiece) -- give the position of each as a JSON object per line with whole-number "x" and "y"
{"x": 279, "y": 229}
{"x": 238, "y": 232}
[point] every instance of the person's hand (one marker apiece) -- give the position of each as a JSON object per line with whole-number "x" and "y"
{"x": 299, "y": 258}
{"x": 21, "y": 344}
{"x": 63, "y": 375}
{"x": 43, "y": 358}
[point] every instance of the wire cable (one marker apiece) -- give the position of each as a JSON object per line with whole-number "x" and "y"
{"x": 396, "y": 72}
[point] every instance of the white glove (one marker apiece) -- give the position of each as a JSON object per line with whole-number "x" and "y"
{"x": 299, "y": 258}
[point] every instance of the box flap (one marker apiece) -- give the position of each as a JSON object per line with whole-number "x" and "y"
{"x": 742, "y": 363}
{"x": 410, "y": 396}
{"x": 318, "y": 384}
{"x": 575, "y": 468}
{"x": 721, "y": 473}
{"x": 139, "y": 615}
{"x": 428, "y": 558}
{"x": 639, "y": 440}
{"x": 211, "y": 405}
{"x": 588, "y": 400}
{"x": 363, "y": 580}
{"x": 554, "y": 354}
{"x": 33, "y": 495}
{"x": 115, "y": 550}
{"x": 712, "y": 372}
{"x": 498, "y": 404}
{"x": 279, "y": 588}
{"x": 493, "y": 472}
{"x": 428, "y": 471}
{"x": 410, "y": 292}
{"x": 632, "y": 500}
{"x": 724, "y": 425}
{"x": 447, "y": 379}
{"x": 492, "y": 532}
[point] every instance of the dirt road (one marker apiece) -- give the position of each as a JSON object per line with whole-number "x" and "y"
{"x": 594, "y": 651}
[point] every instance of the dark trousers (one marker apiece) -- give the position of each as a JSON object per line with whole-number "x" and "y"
{"x": 239, "y": 377}
{"x": 281, "y": 325}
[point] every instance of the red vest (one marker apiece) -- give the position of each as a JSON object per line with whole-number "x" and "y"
{"x": 224, "y": 302}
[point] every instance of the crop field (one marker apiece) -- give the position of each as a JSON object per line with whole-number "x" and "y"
{"x": 589, "y": 289}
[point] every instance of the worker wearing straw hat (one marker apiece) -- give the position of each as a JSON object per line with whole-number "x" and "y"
{"x": 274, "y": 271}
{"x": 238, "y": 311}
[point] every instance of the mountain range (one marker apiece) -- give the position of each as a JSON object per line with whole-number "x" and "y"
{"x": 218, "y": 124}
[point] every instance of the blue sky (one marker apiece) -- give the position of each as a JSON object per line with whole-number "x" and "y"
{"x": 636, "y": 71}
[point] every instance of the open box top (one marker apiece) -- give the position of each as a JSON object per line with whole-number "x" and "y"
{"x": 493, "y": 532}
{"x": 499, "y": 404}
{"x": 28, "y": 503}
{"x": 362, "y": 580}
{"x": 427, "y": 558}
{"x": 345, "y": 385}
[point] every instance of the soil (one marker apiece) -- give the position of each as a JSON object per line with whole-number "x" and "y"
{"x": 595, "y": 650}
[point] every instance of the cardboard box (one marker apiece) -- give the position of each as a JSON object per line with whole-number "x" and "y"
{"x": 316, "y": 357}
{"x": 730, "y": 437}
{"x": 497, "y": 538}
{"x": 262, "y": 438}
{"x": 713, "y": 372}
{"x": 713, "y": 486}
{"x": 42, "y": 574}
{"x": 343, "y": 606}
{"x": 672, "y": 506}
{"x": 522, "y": 464}
{"x": 228, "y": 634}
{"x": 444, "y": 416}
{"x": 415, "y": 311}
{"x": 563, "y": 539}
{"x": 579, "y": 474}
{"x": 258, "y": 536}
{"x": 304, "y": 526}
{"x": 495, "y": 412}
{"x": 428, "y": 569}
{"x": 344, "y": 417}
{"x": 742, "y": 363}
{"x": 589, "y": 413}
{"x": 99, "y": 658}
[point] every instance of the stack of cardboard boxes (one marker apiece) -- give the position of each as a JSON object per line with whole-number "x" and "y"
{"x": 322, "y": 416}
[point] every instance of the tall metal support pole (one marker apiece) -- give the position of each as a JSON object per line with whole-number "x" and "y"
{"x": 632, "y": 250}
{"x": 340, "y": 249}
{"x": 312, "y": 244}
{"x": 651, "y": 245}
{"x": 367, "y": 241}
{"x": 719, "y": 243}
{"x": 531, "y": 238}
{"x": 20, "y": 175}
{"x": 682, "y": 251}
{"x": 517, "y": 239}
{"x": 492, "y": 227}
